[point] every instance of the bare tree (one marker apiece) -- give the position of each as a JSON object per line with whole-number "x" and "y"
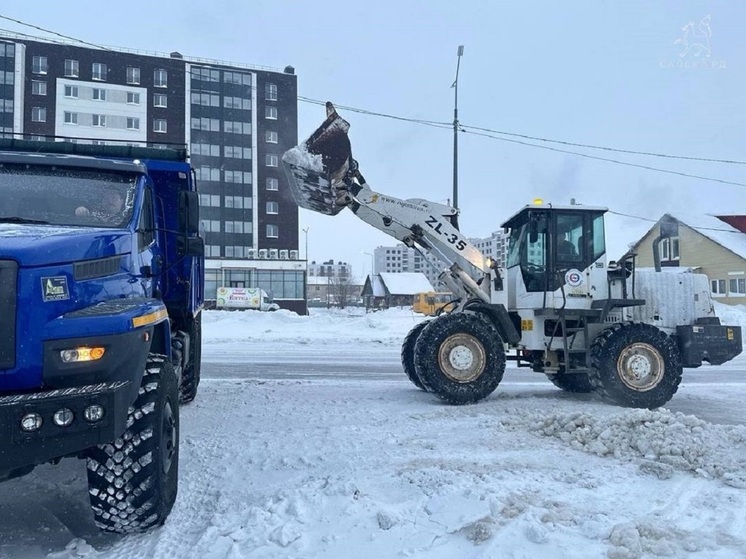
{"x": 342, "y": 290}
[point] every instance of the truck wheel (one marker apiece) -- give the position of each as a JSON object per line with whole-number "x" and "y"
{"x": 579, "y": 383}
{"x": 133, "y": 481}
{"x": 460, "y": 357}
{"x": 191, "y": 375}
{"x": 407, "y": 353}
{"x": 635, "y": 365}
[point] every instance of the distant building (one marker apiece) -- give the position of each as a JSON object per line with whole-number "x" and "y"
{"x": 329, "y": 269}
{"x": 494, "y": 246}
{"x": 394, "y": 289}
{"x": 237, "y": 120}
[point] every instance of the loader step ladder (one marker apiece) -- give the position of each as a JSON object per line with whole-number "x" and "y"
{"x": 579, "y": 324}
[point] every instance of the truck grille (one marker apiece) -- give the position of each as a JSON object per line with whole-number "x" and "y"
{"x": 8, "y": 279}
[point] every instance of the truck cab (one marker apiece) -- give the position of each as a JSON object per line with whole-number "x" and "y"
{"x": 101, "y": 292}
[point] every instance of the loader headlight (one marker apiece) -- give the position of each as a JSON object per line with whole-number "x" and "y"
{"x": 81, "y": 354}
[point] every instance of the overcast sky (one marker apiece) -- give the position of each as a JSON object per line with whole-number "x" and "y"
{"x": 592, "y": 72}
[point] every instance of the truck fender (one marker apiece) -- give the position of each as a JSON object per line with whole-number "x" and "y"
{"x": 498, "y": 316}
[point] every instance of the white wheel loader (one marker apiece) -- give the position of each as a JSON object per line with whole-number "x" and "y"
{"x": 558, "y": 308}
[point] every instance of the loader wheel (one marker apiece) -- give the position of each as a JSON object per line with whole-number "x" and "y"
{"x": 635, "y": 365}
{"x": 133, "y": 481}
{"x": 578, "y": 383}
{"x": 191, "y": 376}
{"x": 460, "y": 357}
{"x": 407, "y": 353}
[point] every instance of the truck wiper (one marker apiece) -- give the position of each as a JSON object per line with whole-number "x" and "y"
{"x": 14, "y": 219}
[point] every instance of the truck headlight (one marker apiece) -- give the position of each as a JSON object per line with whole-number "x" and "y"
{"x": 63, "y": 417}
{"x": 93, "y": 413}
{"x": 80, "y": 354}
{"x": 31, "y": 422}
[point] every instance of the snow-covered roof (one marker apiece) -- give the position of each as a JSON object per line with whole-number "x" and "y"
{"x": 377, "y": 287}
{"x": 711, "y": 227}
{"x": 405, "y": 283}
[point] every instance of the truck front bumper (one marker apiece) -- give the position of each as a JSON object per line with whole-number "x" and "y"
{"x": 23, "y": 448}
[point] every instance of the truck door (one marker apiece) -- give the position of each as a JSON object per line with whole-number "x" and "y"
{"x": 149, "y": 254}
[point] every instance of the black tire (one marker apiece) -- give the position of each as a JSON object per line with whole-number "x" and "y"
{"x": 635, "y": 365}
{"x": 407, "y": 353}
{"x": 191, "y": 376}
{"x": 578, "y": 383}
{"x": 460, "y": 358}
{"x": 133, "y": 481}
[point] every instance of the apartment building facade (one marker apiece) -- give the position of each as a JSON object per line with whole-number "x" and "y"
{"x": 236, "y": 119}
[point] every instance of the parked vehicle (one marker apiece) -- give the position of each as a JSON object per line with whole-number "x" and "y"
{"x": 101, "y": 292}
{"x": 434, "y": 303}
{"x": 244, "y": 298}
{"x": 587, "y": 324}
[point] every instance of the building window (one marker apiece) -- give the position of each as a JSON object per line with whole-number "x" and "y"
{"x": 271, "y": 160}
{"x": 270, "y": 92}
{"x": 236, "y": 127}
{"x": 273, "y": 207}
{"x": 133, "y": 98}
{"x": 71, "y": 118}
{"x": 99, "y": 94}
{"x": 270, "y": 113}
{"x": 99, "y": 120}
{"x": 718, "y": 286}
{"x": 38, "y": 114}
{"x": 160, "y": 78}
{"x": 98, "y": 71}
{"x": 38, "y": 87}
{"x": 273, "y": 231}
{"x": 39, "y": 65}
{"x": 271, "y": 137}
{"x": 72, "y": 68}
{"x": 273, "y": 184}
{"x": 133, "y": 123}
{"x": 133, "y": 75}
{"x": 737, "y": 286}
{"x": 670, "y": 249}
{"x": 71, "y": 91}
{"x": 160, "y": 125}
{"x": 160, "y": 100}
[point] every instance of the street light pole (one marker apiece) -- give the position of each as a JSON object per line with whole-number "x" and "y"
{"x": 372, "y": 265}
{"x": 306, "y": 232}
{"x": 459, "y": 54}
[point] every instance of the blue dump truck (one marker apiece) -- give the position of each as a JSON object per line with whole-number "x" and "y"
{"x": 101, "y": 293}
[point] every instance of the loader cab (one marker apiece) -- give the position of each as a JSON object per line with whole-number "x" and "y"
{"x": 546, "y": 242}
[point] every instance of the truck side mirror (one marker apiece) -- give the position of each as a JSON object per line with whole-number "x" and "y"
{"x": 536, "y": 225}
{"x": 190, "y": 246}
{"x": 189, "y": 211}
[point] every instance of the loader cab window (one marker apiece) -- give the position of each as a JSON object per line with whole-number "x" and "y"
{"x": 528, "y": 249}
{"x": 569, "y": 240}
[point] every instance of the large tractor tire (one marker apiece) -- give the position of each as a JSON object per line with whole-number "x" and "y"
{"x": 192, "y": 372}
{"x": 407, "y": 353}
{"x": 578, "y": 383}
{"x": 635, "y": 365}
{"x": 460, "y": 358}
{"x": 133, "y": 481}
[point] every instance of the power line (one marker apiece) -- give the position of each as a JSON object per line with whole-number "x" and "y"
{"x": 606, "y": 148}
{"x": 19, "y": 22}
{"x": 607, "y": 159}
{"x": 683, "y": 221}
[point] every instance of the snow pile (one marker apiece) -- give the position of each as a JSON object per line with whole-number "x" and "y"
{"x": 301, "y": 157}
{"x": 322, "y": 326}
{"x": 732, "y": 315}
{"x": 666, "y": 441}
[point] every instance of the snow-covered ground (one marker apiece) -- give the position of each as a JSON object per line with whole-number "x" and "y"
{"x": 373, "y": 468}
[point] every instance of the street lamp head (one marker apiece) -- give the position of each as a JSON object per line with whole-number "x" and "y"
{"x": 460, "y": 50}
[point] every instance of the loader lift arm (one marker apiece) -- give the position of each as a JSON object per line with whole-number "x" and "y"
{"x": 325, "y": 178}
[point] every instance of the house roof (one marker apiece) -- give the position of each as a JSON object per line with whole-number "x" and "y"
{"x": 713, "y": 228}
{"x": 404, "y": 283}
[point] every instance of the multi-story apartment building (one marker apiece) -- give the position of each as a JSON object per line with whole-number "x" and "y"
{"x": 401, "y": 258}
{"x": 236, "y": 119}
{"x": 329, "y": 269}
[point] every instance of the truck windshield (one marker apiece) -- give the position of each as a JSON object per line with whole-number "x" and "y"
{"x": 65, "y": 196}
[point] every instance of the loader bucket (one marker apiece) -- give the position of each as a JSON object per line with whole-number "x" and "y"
{"x": 316, "y": 169}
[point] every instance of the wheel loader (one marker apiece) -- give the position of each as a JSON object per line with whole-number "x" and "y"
{"x": 557, "y": 308}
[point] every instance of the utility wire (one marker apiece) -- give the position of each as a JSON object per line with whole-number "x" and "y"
{"x": 19, "y": 22}
{"x": 683, "y": 221}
